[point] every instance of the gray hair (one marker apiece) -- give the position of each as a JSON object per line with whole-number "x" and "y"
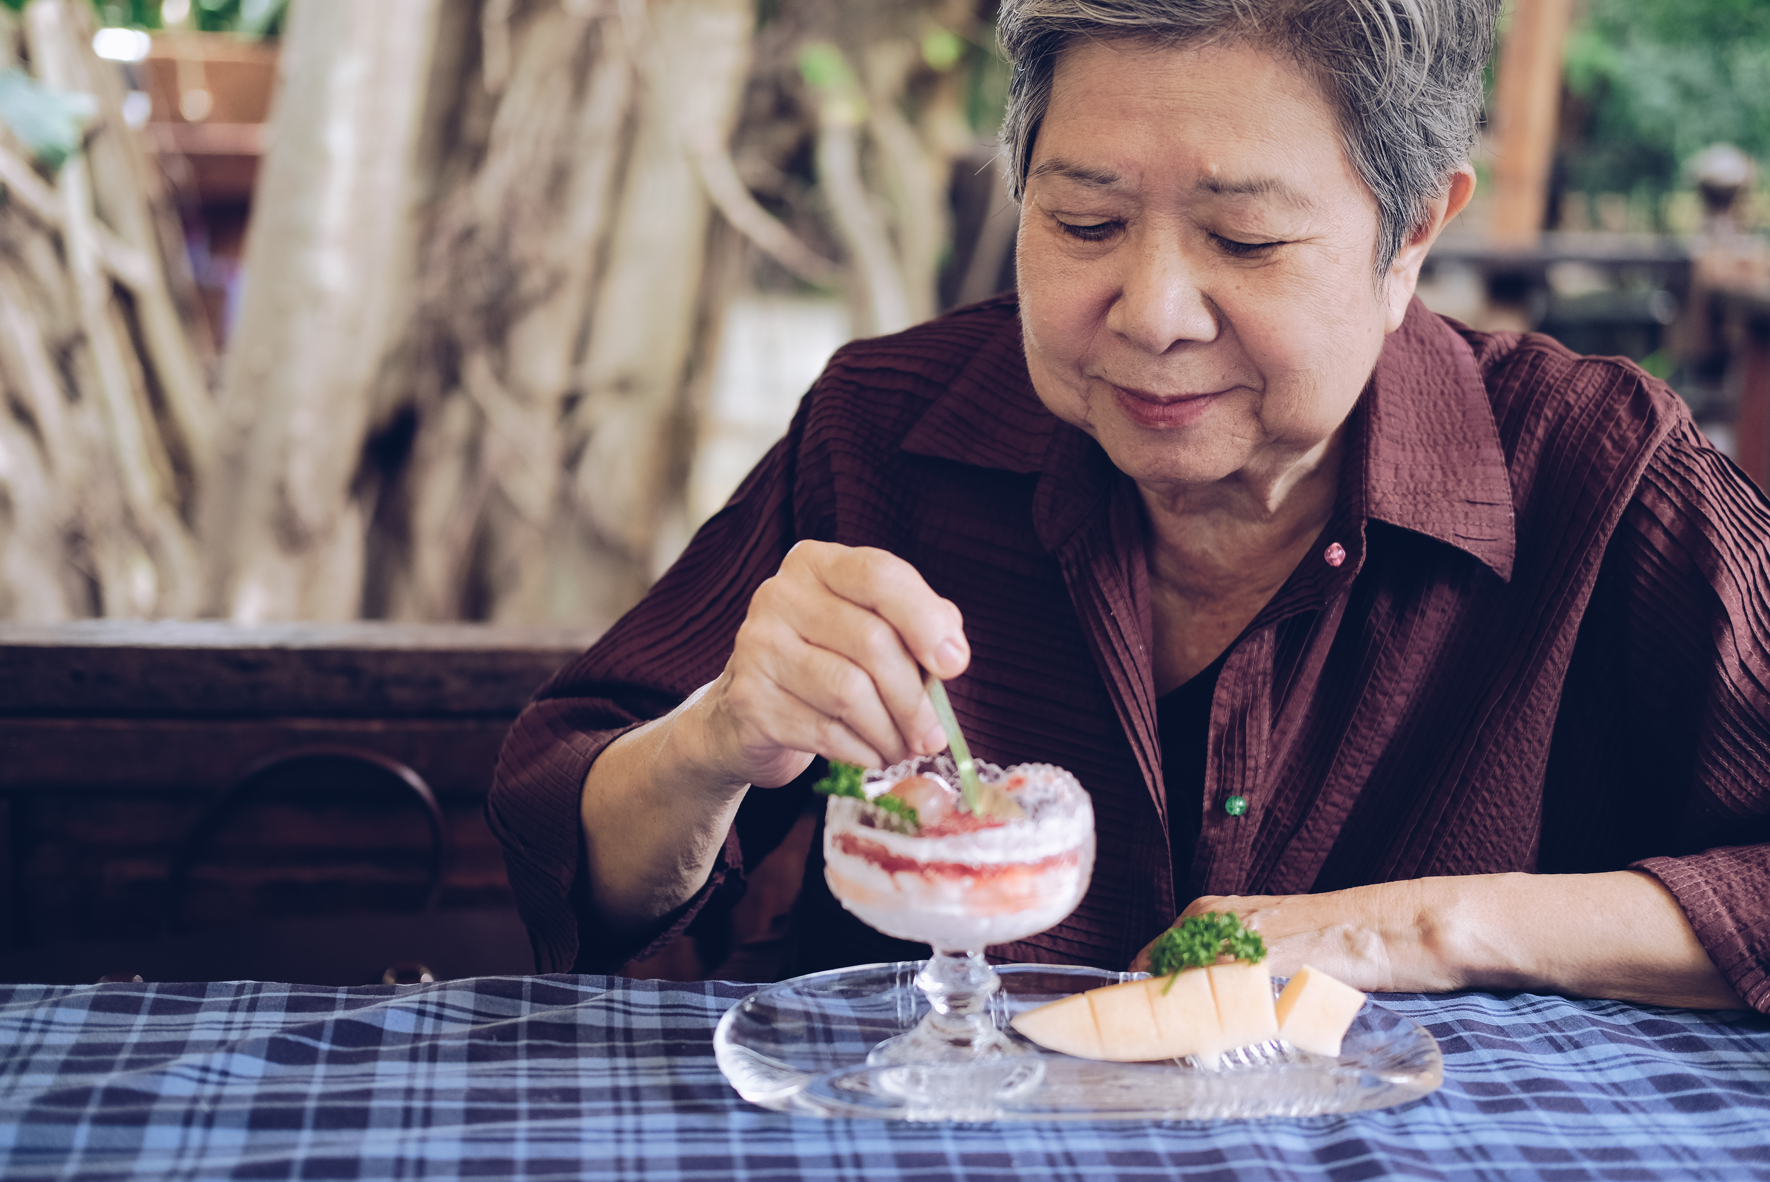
{"x": 1404, "y": 75}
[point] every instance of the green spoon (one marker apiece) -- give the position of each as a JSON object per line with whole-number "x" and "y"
{"x": 983, "y": 800}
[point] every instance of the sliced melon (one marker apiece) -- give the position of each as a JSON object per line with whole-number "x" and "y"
{"x": 1243, "y": 994}
{"x": 1197, "y": 1012}
{"x": 1185, "y": 1014}
{"x": 1066, "y": 1025}
{"x": 1125, "y": 1022}
{"x": 1314, "y": 1011}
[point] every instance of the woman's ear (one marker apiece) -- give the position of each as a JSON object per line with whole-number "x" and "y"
{"x": 1404, "y": 272}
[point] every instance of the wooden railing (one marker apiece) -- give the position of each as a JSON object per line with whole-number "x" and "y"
{"x": 114, "y": 735}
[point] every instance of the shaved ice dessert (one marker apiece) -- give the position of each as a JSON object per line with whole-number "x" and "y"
{"x": 956, "y": 879}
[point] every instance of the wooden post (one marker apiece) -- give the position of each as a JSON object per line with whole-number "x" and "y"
{"x": 1748, "y": 327}
{"x": 1526, "y": 111}
{"x": 330, "y": 250}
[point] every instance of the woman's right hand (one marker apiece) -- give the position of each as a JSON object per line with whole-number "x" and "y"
{"x": 829, "y": 662}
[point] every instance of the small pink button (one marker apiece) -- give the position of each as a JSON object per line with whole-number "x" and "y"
{"x": 1335, "y": 554}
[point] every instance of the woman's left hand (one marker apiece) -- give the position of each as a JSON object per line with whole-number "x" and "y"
{"x": 1619, "y": 935}
{"x": 1380, "y": 938}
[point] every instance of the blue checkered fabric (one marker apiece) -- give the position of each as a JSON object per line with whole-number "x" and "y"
{"x": 594, "y": 1078}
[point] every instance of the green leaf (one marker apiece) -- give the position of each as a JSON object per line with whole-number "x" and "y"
{"x": 847, "y": 779}
{"x": 51, "y": 124}
{"x": 827, "y": 72}
{"x": 1659, "y": 363}
{"x": 259, "y": 17}
{"x": 843, "y": 779}
{"x": 902, "y": 810}
{"x": 1202, "y": 940}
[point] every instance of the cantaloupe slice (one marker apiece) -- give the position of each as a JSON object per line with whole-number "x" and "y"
{"x": 1186, "y": 1015}
{"x": 1243, "y": 993}
{"x": 1124, "y": 1021}
{"x": 1065, "y": 1025}
{"x": 1314, "y": 1011}
{"x": 1201, "y": 1012}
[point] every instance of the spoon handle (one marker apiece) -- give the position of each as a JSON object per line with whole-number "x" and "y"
{"x": 970, "y": 787}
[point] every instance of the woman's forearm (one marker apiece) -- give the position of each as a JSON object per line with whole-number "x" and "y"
{"x": 1620, "y": 935}
{"x": 654, "y": 819}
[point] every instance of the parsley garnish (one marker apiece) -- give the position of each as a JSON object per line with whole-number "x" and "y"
{"x": 1202, "y": 940}
{"x": 843, "y": 779}
{"x": 846, "y": 779}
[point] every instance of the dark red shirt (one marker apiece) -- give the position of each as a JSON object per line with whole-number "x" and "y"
{"x": 1545, "y": 648}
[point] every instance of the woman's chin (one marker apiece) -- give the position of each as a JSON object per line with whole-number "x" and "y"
{"x": 1175, "y": 468}
{"x": 1190, "y": 455}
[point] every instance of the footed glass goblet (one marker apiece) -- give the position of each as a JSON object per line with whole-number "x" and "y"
{"x": 960, "y": 884}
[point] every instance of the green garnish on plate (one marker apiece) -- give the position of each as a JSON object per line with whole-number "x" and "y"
{"x": 1203, "y": 940}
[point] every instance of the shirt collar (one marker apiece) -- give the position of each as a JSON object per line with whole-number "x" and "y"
{"x": 1432, "y": 457}
{"x": 1425, "y": 452}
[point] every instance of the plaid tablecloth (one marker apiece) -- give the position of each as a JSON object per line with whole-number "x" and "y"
{"x": 591, "y": 1077}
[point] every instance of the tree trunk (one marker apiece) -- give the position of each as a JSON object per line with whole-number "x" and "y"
{"x": 330, "y": 253}
{"x": 1526, "y": 109}
{"x": 487, "y": 283}
{"x": 559, "y": 326}
{"x": 105, "y": 409}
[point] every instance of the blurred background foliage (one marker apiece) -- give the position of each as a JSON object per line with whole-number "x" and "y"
{"x": 254, "y": 18}
{"x": 1649, "y": 82}
{"x": 1652, "y": 82}
{"x": 596, "y": 250}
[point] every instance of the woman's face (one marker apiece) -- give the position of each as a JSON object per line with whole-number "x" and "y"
{"x": 1195, "y": 261}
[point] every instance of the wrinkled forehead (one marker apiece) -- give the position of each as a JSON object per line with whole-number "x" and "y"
{"x": 1063, "y": 66}
{"x": 1126, "y": 69}
{"x": 1226, "y": 38}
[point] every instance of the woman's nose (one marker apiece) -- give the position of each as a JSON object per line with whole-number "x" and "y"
{"x": 1161, "y": 303}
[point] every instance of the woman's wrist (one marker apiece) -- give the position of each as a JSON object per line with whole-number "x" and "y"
{"x": 654, "y": 812}
{"x": 1475, "y": 931}
{"x": 1404, "y": 936}
{"x": 688, "y": 752}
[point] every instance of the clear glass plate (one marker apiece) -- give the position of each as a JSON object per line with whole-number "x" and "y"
{"x": 801, "y": 1046}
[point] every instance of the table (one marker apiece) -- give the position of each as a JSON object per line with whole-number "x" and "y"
{"x": 598, "y": 1077}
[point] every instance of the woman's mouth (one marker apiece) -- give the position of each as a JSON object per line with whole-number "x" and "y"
{"x": 1162, "y": 411}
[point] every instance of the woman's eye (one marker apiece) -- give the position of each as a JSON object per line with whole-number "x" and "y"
{"x": 1242, "y": 249}
{"x": 1091, "y": 231}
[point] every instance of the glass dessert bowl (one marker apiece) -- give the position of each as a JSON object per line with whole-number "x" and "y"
{"x": 959, "y": 881}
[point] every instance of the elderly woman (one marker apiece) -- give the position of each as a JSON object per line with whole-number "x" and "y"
{"x": 1439, "y": 656}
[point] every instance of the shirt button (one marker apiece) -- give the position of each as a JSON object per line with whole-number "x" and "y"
{"x": 1235, "y": 806}
{"x": 1335, "y": 554}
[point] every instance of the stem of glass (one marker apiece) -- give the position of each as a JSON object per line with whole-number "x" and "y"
{"x": 959, "y": 986}
{"x": 959, "y": 1028}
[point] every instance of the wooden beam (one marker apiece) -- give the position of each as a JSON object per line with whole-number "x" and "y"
{"x": 198, "y": 668}
{"x": 1526, "y": 113}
